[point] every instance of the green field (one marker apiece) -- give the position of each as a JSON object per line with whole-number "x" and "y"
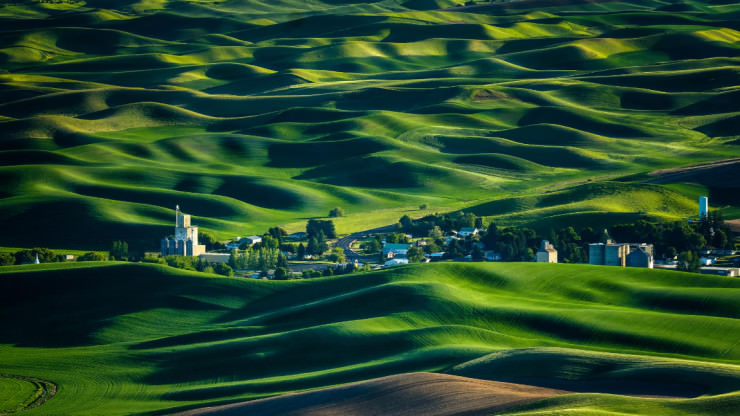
{"x": 14, "y": 393}
{"x": 251, "y": 115}
{"x": 123, "y": 338}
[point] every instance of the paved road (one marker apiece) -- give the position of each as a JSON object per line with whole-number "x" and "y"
{"x": 346, "y": 244}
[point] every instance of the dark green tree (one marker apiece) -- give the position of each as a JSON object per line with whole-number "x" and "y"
{"x": 326, "y": 226}
{"x": 688, "y": 261}
{"x": 671, "y": 252}
{"x": 478, "y": 222}
{"x": 281, "y": 273}
{"x": 406, "y": 224}
{"x": 371, "y": 247}
{"x": 477, "y": 253}
{"x": 282, "y": 261}
{"x": 277, "y": 233}
{"x": 269, "y": 241}
{"x": 313, "y": 246}
{"x": 119, "y": 250}
{"x": 323, "y": 247}
{"x": 415, "y": 254}
{"x": 454, "y": 250}
{"x": 336, "y": 212}
{"x": 209, "y": 240}
{"x": 7, "y": 259}
{"x": 222, "y": 269}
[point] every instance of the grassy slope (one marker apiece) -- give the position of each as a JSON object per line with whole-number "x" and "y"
{"x": 250, "y": 115}
{"x": 126, "y": 338}
{"x": 15, "y": 393}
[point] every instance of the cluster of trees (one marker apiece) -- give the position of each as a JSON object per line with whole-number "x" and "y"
{"x": 92, "y": 256}
{"x": 520, "y": 243}
{"x": 334, "y": 271}
{"x": 318, "y": 231}
{"x": 192, "y": 263}
{"x": 313, "y": 227}
{"x": 375, "y": 244}
{"x": 689, "y": 261}
{"x": 677, "y": 237}
{"x": 372, "y": 246}
{"x": 511, "y": 243}
{"x": 209, "y": 240}
{"x": 446, "y": 223}
{"x": 119, "y": 251}
{"x": 45, "y": 256}
{"x": 258, "y": 258}
{"x": 336, "y": 212}
{"x": 316, "y": 246}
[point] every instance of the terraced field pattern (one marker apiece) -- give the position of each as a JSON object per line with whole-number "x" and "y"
{"x": 127, "y": 338}
{"x": 253, "y": 114}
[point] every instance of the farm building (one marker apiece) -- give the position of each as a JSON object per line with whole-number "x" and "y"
{"x": 618, "y": 254}
{"x": 547, "y": 253}
{"x": 466, "y": 231}
{"x": 609, "y": 254}
{"x": 640, "y": 256}
{"x": 391, "y": 250}
{"x": 396, "y": 262}
{"x": 721, "y": 271}
{"x": 185, "y": 241}
{"x": 252, "y": 239}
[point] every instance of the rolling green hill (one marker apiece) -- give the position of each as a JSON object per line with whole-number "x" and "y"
{"x": 254, "y": 114}
{"x": 122, "y": 338}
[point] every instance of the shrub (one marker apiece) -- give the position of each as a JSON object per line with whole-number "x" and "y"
{"x": 222, "y": 269}
{"x": 688, "y": 261}
{"x": 336, "y": 212}
{"x": 281, "y": 273}
{"x": 6, "y": 259}
{"x": 415, "y": 254}
{"x": 91, "y": 256}
{"x": 155, "y": 260}
{"x": 337, "y": 255}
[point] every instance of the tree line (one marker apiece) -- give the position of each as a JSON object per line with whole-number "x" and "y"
{"x": 670, "y": 239}
{"x": 28, "y": 256}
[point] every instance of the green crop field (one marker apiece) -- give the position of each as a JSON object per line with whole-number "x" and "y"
{"x": 255, "y": 114}
{"x": 122, "y": 339}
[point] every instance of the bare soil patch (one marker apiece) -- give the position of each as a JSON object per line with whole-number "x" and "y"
{"x": 734, "y": 225}
{"x": 427, "y": 394}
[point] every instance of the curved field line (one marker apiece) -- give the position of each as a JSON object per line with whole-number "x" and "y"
{"x": 45, "y": 390}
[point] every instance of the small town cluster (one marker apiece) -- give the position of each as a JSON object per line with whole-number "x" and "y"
{"x": 277, "y": 254}
{"x": 704, "y": 244}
